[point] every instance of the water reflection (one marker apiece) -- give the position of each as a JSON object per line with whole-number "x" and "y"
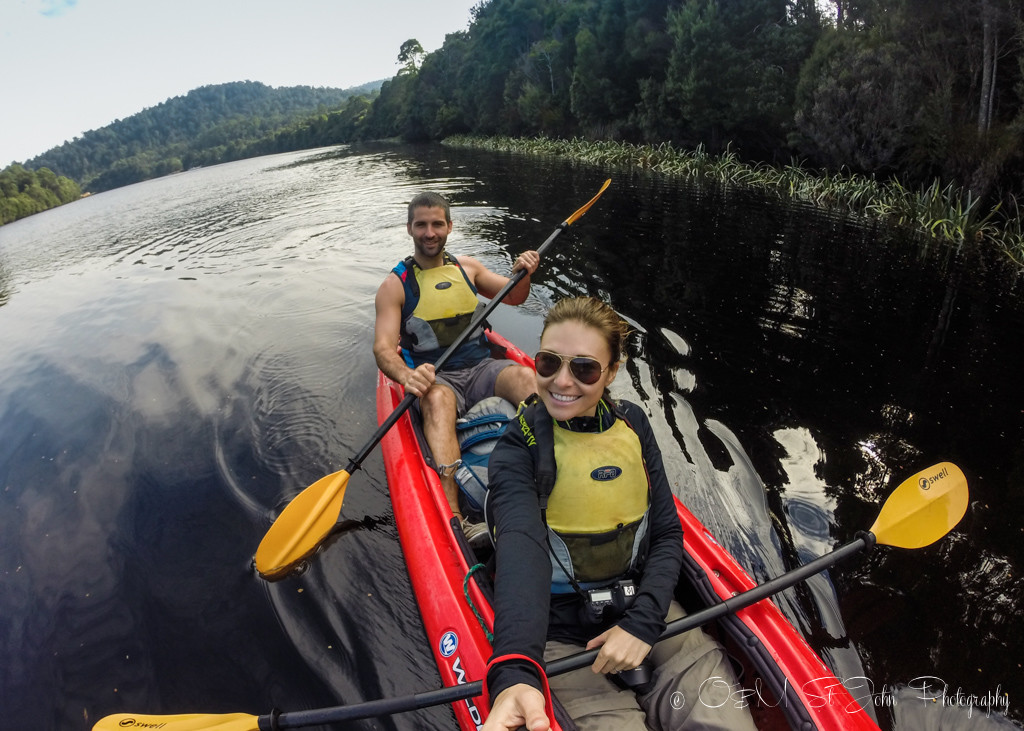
{"x": 715, "y": 477}
{"x": 808, "y": 506}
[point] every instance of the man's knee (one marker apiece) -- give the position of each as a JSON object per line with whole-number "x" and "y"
{"x": 515, "y": 383}
{"x": 438, "y": 402}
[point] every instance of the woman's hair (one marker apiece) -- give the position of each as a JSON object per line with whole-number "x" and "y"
{"x": 592, "y": 313}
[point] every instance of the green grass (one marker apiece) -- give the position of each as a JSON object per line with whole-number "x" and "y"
{"x": 947, "y": 213}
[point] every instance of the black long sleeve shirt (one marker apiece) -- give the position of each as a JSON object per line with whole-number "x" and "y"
{"x": 526, "y": 613}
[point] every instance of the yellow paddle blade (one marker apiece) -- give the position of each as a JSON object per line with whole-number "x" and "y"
{"x": 924, "y": 508}
{"x": 302, "y": 526}
{"x": 181, "y": 722}
{"x": 586, "y": 206}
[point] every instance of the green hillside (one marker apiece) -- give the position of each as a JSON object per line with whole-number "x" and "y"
{"x": 24, "y": 192}
{"x": 208, "y": 125}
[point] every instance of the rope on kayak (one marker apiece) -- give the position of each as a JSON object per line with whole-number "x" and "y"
{"x": 469, "y": 601}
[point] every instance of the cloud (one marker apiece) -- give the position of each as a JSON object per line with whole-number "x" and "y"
{"x": 56, "y": 8}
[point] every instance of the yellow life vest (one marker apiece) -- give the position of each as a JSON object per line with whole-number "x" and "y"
{"x": 450, "y": 298}
{"x": 597, "y": 509}
{"x": 439, "y": 304}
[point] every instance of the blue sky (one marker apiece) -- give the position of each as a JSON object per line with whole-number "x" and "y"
{"x": 70, "y": 66}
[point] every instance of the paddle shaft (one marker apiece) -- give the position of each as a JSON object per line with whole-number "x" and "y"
{"x": 403, "y": 406}
{"x": 451, "y": 694}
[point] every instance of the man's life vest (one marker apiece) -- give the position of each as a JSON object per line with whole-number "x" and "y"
{"x": 595, "y": 504}
{"x": 440, "y": 303}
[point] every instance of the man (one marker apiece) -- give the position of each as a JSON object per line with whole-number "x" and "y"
{"x": 422, "y": 306}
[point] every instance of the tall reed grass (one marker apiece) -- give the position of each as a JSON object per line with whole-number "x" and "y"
{"x": 945, "y": 212}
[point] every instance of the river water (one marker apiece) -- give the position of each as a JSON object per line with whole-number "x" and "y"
{"x": 183, "y": 356}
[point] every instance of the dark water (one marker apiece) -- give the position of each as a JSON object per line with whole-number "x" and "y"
{"x": 181, "y": 357}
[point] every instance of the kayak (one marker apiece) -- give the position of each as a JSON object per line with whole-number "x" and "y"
{"x": 786, "y": 684}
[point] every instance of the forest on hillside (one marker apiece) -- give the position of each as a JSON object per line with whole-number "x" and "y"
{"x": 208, "y": 125}
{"x": 916, "y": 91}
{"x": 24, "y": 192}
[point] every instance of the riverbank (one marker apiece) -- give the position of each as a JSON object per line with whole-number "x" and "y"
{"x": 946, "y": 213}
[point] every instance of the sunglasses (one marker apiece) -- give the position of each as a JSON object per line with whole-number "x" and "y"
{"x": 585, "y": 370}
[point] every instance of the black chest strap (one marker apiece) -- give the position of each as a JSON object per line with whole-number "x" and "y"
{"x": 544, "y": 466}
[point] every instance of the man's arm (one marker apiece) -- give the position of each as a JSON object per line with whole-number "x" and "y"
{"x": 489, "y": 284}
{"x": 386, "y": 330}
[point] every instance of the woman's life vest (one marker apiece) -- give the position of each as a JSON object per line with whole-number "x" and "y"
{"x": 595, "y": 503}
{"x": 440, "y": 303}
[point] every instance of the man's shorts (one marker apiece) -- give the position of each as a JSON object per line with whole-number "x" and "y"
{"x": 474, "y": 383}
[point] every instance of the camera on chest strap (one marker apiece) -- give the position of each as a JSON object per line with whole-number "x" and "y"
{"x": 607, "y": 603}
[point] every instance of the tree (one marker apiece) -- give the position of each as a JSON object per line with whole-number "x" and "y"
{"x": 536, "y": 88}
{"x": 587, "y": 91}
{"x": 24, "y": 192}
{"x": 919, "y": 87}
{"x": 410, "y": 56}
{"x": 858, "y": 108}
{"x": 605, "y": 79}
{"x": 438, "y": 109}
{"x": 732, "y": 68}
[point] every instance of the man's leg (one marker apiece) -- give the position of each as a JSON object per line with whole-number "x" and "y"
{"x": 515, "y": 384}
{"x": 438, "y": 409}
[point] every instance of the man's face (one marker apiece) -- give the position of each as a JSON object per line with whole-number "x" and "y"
{"x": 429, "y": 230}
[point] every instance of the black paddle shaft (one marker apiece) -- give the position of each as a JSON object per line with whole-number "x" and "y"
{"x": 356, "y": 462}
{"x": 454, "y": 693}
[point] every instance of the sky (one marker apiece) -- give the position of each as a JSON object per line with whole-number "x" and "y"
{"x": 70, "y": 66}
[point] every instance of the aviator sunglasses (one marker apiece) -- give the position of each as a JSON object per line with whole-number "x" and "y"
{"x": 585, "y": 370}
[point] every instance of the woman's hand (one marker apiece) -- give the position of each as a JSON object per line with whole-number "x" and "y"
{"x": 619, "y": 651}
{"x": 518, "y": 705}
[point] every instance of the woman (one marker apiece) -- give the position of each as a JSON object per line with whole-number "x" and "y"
{"x": 594, "y": 563}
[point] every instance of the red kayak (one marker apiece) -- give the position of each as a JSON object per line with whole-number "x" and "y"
{"x": 787, "y": 684}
